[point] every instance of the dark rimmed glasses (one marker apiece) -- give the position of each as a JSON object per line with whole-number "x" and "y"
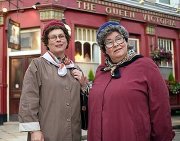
{"x": 55, "y": 37}
{"x": 118, "y": 40}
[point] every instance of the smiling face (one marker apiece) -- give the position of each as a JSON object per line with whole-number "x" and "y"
{"x": 57, "y": 42}
{"x": 119, "y": 46}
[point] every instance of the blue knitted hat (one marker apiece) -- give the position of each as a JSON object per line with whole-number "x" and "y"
{"x": 108, "y": 28}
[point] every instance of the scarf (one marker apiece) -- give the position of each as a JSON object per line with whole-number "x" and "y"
{"x": 62, "y": 65}
{"x": 114, "y": 68}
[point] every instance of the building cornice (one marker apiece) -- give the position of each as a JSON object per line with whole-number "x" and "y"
{"x": 150, "y": 6}
{"x": 147, "y": 6}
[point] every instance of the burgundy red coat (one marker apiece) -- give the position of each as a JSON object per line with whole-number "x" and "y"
{"x": 134, "y": 107}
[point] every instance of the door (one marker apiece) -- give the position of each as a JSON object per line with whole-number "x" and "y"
{"x": 17, "y": 69}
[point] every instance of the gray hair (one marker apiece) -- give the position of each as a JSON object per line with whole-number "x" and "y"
{"x": 104, "y": 31}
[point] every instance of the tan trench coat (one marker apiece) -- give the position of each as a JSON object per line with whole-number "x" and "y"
{"x": 51, "y": 100}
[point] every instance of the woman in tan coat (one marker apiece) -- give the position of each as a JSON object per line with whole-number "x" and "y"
{"x": 50, "y": 102}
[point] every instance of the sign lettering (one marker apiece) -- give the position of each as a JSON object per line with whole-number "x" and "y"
{"x": 125, "y": 13}
{"x": 119, "y": 12}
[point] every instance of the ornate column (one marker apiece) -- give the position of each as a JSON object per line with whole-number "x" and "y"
{"x": 3, "y": 71}
{"x": 151, "y": 38}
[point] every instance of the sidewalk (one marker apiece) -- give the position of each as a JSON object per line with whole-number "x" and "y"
{"x": 9, "y": 131}
{"x": 176, "y": 126}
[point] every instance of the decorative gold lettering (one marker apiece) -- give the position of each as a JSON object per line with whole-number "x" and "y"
{"x": 108, "y": 10}
{"x": 115, "y": 11}
{"x": 145, "y": 17}
{"x": 127, "y": 13}
{"x": 93, "y": 7}
{"x": 86, "y": 6}
{"x": 123, "y": 13}
{"x": 158, "y": 20}
{"x": 79, "y": 4}
{"x": 173, "y": 23}
{"x": 153, "y": 19}
{"x": 161, "y": 20}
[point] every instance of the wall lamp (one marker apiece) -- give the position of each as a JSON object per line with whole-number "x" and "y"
{"x": 66, "y": 26}
{"x": 35, "y": 5}
{"x": 4, "y": 10}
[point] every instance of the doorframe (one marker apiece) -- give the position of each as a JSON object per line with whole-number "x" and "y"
{"x": 11, "y": 54}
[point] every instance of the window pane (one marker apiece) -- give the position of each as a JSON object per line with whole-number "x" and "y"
{"x": 95, "y": 53}
{"x": 87, "y": 52}
{"x": 78, "y": 52}
{"x": 165, "y": 1}
{"x": 89, "y": 35}
{"x": 30, "y": 39}
{"x": 17, "y": 73}
{"x": 84, "y": 35}
{"x": 165, "y": 71}
{"x": 79, "y": 34}
{"x": 165, "y": 47}
{"x": 134, "y": 44}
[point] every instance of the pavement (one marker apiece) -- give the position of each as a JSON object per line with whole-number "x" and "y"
{"x": 9, "y": 131}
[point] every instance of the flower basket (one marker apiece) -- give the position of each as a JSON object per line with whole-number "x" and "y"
{"x": 174, "y": 88}
{"x": 161, "y": 55}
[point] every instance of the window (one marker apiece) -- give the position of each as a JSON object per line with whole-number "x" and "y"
{"x": 30, "y": 39}
{"x": 87, "y": 52}
{"x": 1, "y": 19}
{"x": 86, "y": 49}
{"x": 166, "y": 66}
{"x": 134, "y": 44}
{"x": 165, "y": 1}
{"x": 150, "y": 29}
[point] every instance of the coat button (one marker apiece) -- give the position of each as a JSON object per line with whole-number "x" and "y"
{"x": 68, "y": 120}
{"x": 67, "y": 104}
{"x": 67, "y": 87}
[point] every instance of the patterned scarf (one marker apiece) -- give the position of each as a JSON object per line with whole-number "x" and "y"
{"x": 114, "y": 68}
{"x": 62, "y": 64}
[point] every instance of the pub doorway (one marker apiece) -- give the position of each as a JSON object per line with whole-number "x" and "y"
{"x": 17, "y": 69}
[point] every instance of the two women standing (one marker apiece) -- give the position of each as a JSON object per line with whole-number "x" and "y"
{"x": 127, "y": 102}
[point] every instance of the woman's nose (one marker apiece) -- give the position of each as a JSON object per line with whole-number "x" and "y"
{"x": 115, "y": 44}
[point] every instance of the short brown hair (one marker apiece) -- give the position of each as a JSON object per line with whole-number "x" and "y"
{"x": 55, "y": 24}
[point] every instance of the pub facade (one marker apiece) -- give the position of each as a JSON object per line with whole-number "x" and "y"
{"x": 152, "y": 25}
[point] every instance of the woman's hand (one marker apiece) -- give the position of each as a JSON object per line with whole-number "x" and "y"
{"x": 79, "y": 76}
{"x": 37, "y": 136}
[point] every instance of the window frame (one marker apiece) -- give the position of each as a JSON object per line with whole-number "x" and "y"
{"x": 86, "y": 36}
{"x": 137, "y": 43}
{"x": 164, "y": 42}
{"x": 171, "y": 3}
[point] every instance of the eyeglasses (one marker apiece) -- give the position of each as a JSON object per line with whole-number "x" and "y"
{"x": 110, "y": 43}
{"x": 55, "y": 37}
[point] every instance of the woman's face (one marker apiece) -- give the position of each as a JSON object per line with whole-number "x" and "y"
{"x": 57, "y": 42}
{"x": 116, "y": 46}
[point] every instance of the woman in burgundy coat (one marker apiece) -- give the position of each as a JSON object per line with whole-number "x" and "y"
{"x": 129, "y": 98}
